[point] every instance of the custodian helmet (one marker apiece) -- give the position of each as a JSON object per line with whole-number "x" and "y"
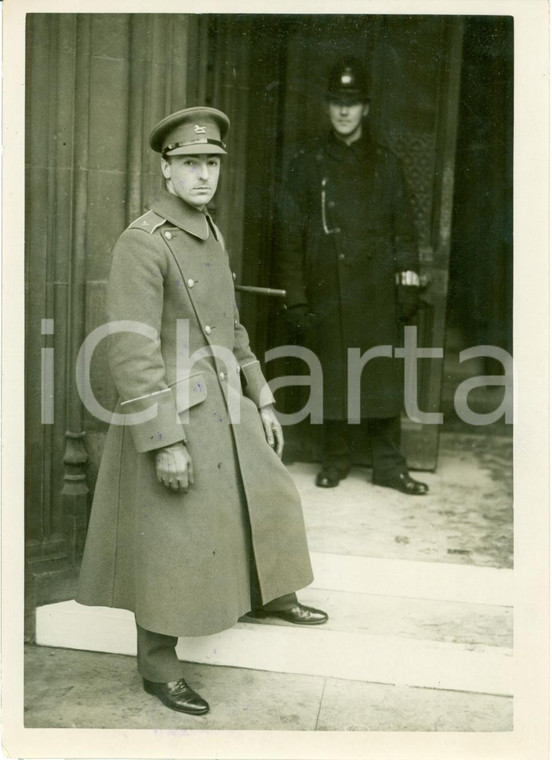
{"x": 347, "y": 81}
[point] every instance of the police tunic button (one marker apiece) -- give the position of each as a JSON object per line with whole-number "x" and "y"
{"x": 191, "y": 283}
{"x": 168, "y": 235}
{"x": 208, "y": 329}
{"x": 342, "y": 256}
{"x": 331, "y": 204}
{"x": 222, "y": 376}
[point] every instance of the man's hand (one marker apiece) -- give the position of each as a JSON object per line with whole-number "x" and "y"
{"x": 272, "y": 429}
{"x": 174, "y": 467}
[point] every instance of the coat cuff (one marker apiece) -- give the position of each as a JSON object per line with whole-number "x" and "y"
{"x": 407, "y": 278}
{"x": 153, "y": 421}
{"x": 256, "y": 387}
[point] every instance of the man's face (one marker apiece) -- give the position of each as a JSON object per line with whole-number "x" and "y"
{"x": 346, "y": 118}
{"x": 192, "y": 178}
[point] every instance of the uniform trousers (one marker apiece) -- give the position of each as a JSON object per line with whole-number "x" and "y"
{"x": 384, "y": 434}
{"x": 157, "y": 660}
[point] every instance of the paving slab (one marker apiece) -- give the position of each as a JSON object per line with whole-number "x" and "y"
{"x": 467, "y": 517}
{"x": 353, "y": 706}
{"x": 75, "y": 689}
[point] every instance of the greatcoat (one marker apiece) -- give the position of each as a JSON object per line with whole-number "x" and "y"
{"x": 347, "y": 230}
{"x": 181, "y": 561}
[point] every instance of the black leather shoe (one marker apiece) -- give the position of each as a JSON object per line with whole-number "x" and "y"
{"x": 329, "y": 477}
{"x": 177, "y": 695}
{"x": 405, "y": 484}
{"x": 300, "y": 615}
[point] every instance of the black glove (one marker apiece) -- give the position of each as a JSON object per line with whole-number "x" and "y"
{"x": 408, "y": 302}
{"x": 297, "y": 319}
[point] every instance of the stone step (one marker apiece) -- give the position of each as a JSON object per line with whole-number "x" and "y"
{"x": 417, "y": 580}
{"x": 486, "y": 625}
{"x": 379, "y": 638}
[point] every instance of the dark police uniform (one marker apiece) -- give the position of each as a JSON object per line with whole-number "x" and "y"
{"x": 347, "y": 235}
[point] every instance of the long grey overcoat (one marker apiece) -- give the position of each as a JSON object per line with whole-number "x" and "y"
{"x": 180, "y": 561}
{"x": 347, "y": 229}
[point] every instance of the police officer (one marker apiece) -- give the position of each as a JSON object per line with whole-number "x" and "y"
{"x": 349, "y": 263}
{"x": 195, "y": 520}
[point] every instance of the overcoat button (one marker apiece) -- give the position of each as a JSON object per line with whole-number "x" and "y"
{"x": 191, "y": 283}
{"x": 331, "y": 204}
{"x": 341, "y": 256}
{"x": 236, "y": 323}
{"x": 208, "y": 329}
{"x": 222, "y": 376}
{"x": 238, "y": 368}
{"x": 168, "y": 235}
{"x": 234, "y": 275}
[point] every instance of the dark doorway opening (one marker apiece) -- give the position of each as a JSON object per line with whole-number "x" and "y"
{"x": 480, "y": 296}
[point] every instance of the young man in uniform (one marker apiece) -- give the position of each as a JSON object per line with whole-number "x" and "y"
{"x": 195, "y": 520}
{"x": 349, "y": 264}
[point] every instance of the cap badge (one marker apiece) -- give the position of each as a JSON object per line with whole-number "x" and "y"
{"x": 199, "y": 130}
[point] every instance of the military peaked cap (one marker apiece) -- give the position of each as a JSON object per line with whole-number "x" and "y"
{"x": 190, "y": 131}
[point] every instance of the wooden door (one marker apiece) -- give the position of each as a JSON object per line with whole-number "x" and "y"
{"x": 414, "y": 67}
